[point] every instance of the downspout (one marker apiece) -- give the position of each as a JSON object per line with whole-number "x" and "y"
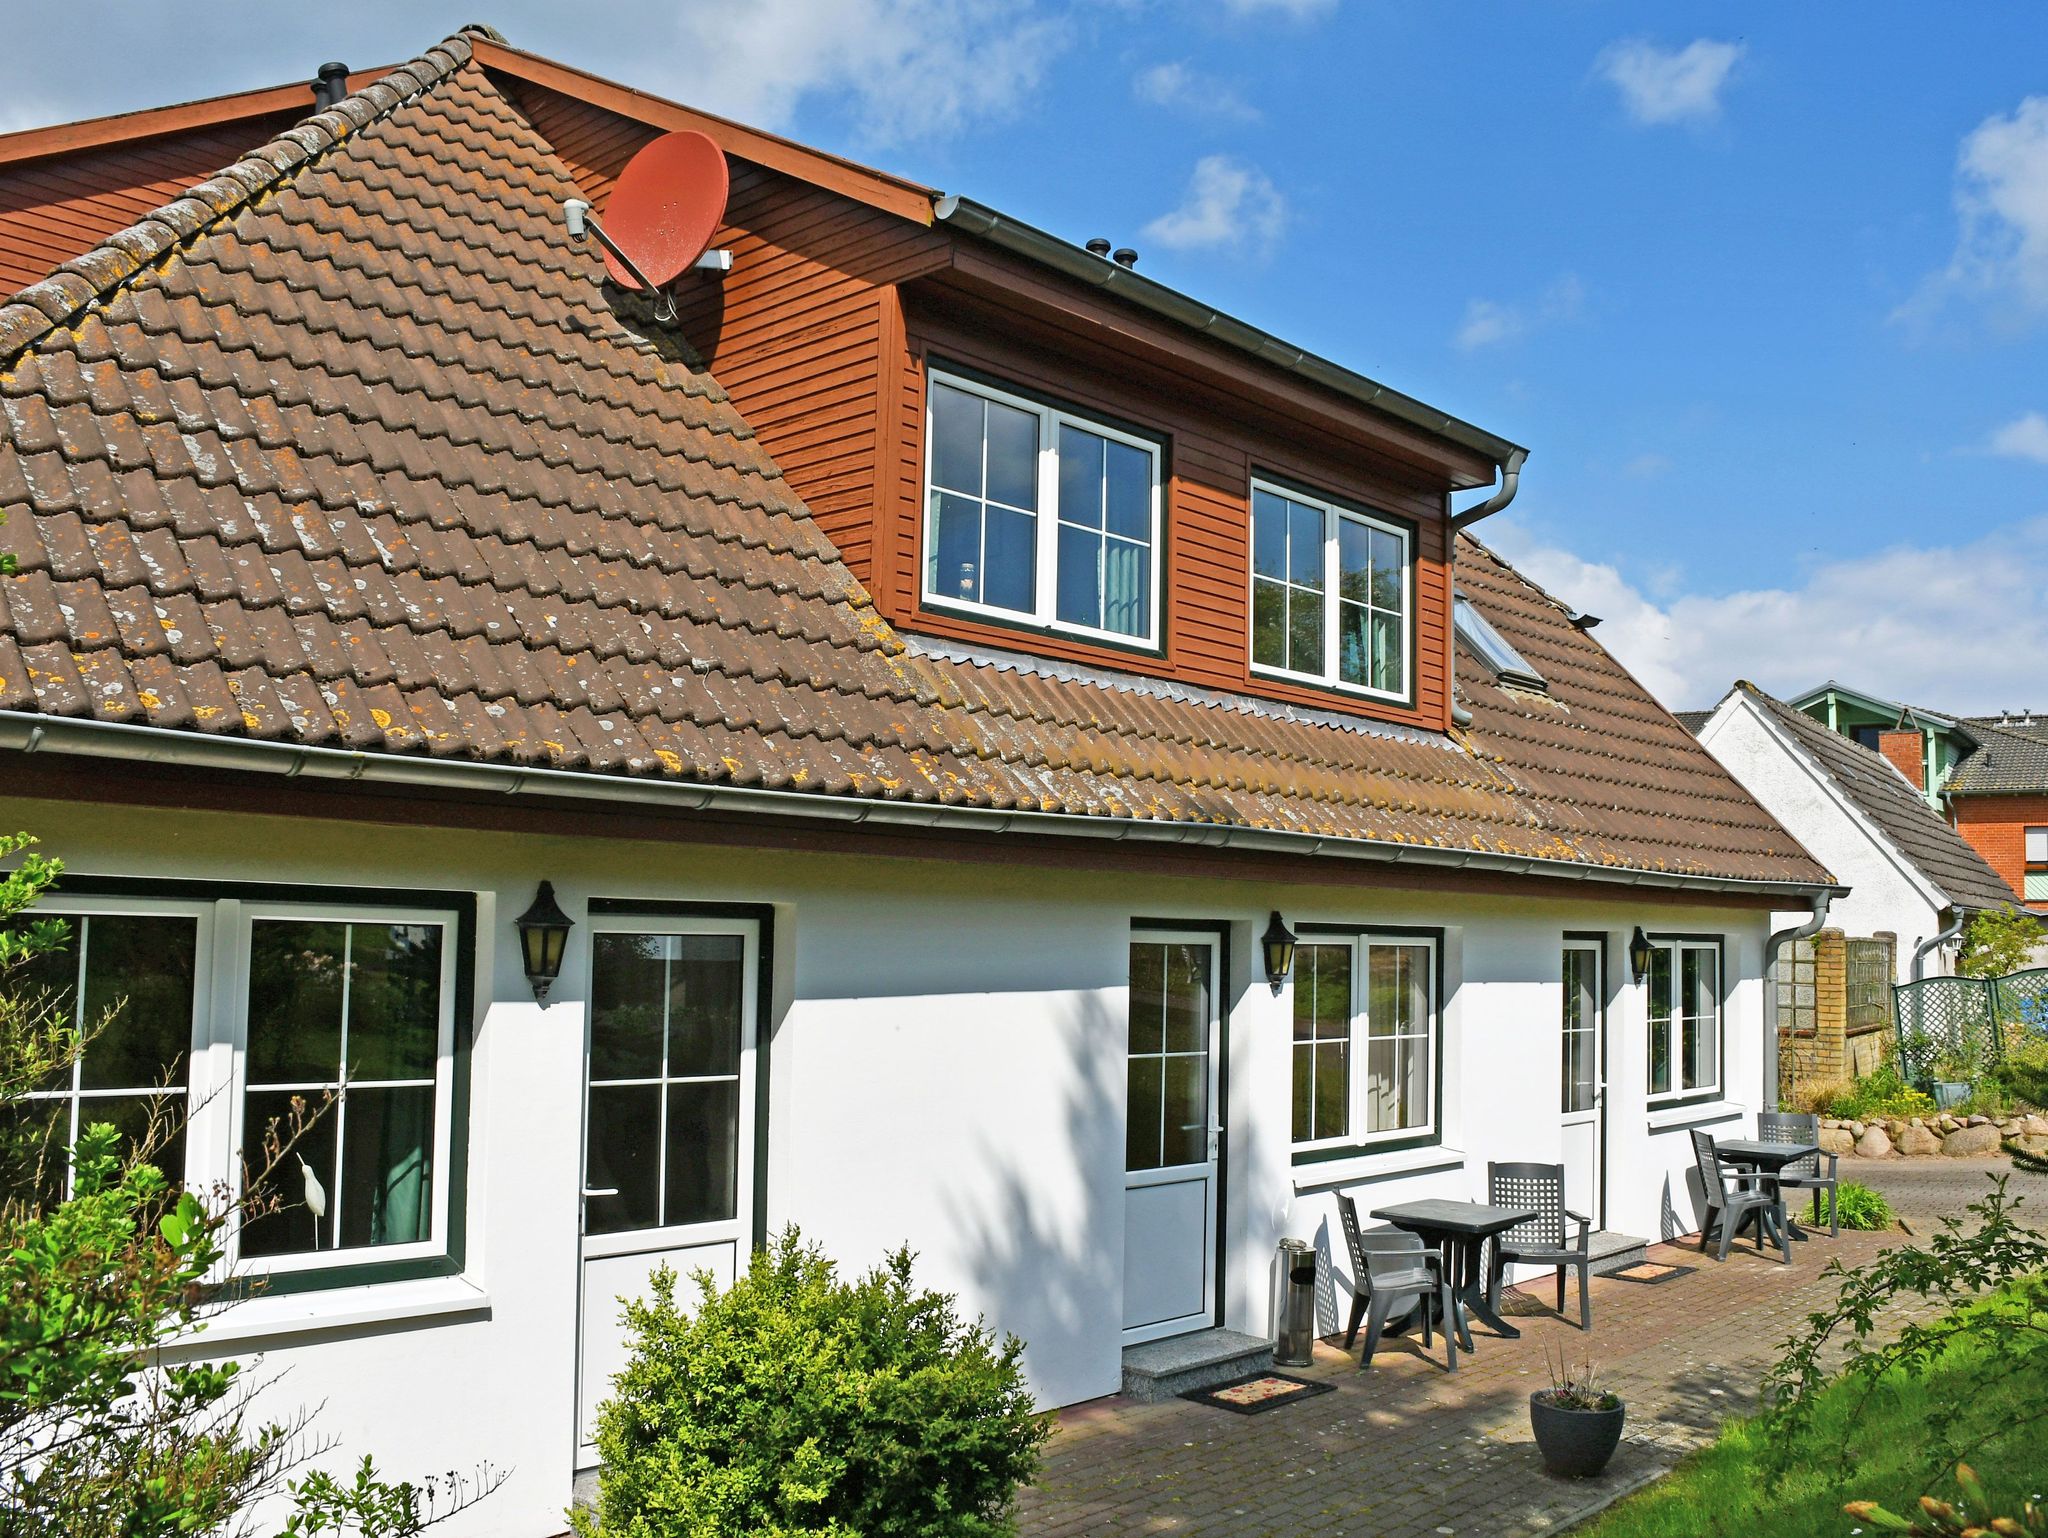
{"x": 1802, "y": 931}
{"x": 1921, "y": 951}
{"x": 1510, "y": 483}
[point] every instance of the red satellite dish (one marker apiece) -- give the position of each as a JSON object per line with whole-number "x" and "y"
{"x": 665, "y": 207}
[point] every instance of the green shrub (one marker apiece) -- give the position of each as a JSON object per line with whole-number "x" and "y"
{"x": 795, "y": 1405}
{"x": 1862, "y": 1208}
{"x": 1882, "y": 1093}
{"x": 2023, "y": 1072}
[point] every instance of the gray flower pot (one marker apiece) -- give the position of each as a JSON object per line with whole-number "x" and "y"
{"x": 1575, "y": 1443}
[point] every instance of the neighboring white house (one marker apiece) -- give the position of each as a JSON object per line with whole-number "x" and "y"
{"x": 1910, "y": 875}
{"x": 379, "y": 564}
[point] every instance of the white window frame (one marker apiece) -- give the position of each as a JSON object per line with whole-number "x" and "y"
{"x": 1332, "y": 513}
{"x": 216, "y": 1070}
{"x": 248, "y": 915}
{"x": 1674, "y": 1027}
{"x": 1358, "y": 1047}
{"x": 1045, "y": 550}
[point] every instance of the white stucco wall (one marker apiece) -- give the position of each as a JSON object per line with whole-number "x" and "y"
{"x": 1886, "y": 895}
{"x": 947, "y": 1070}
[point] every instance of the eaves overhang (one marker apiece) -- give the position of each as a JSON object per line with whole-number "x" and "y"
{"x": 1034, "y": 244}
{"x": 26, "y": 732}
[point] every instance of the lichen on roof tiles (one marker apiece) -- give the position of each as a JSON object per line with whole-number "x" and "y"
{"x": 349, "y": 447}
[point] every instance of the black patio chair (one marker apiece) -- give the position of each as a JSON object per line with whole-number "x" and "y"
{"x": 1389, "y": 1264}
{"x": 1733, "y": 1196}
{"x": 1804, "y": 1174}
{"x": 1541, "y": 1240}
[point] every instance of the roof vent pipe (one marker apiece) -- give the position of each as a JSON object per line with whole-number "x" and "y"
{"x": 1098, "y": 247}
{"x": 330, "y": 86}
{"x": 1124, "y": 256}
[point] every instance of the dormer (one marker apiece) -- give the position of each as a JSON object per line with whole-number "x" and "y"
{"x": 1027, "y": 449}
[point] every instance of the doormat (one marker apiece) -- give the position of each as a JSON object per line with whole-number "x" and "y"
{"x": 1651, "y": 1272}
{"x": 1257, "y": 1394}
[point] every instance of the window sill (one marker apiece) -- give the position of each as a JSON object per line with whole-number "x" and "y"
{"x": 276, "y": 1317}
{"x": 1692, "y": 1114}
{"x": 1367, "y": 1167}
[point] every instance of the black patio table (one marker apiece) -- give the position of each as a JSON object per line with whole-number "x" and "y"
{"x": 1460, "y": 1231}
{"x": 1769, "y": 1158}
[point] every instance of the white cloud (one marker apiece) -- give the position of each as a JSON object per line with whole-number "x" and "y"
{"x": 906, "y": 69}
{"x": 1489, "y": 323}
{"x": 1295, "y": 10}
{"x": 2025, "y": 437}
{"x": 1647, "y": 467}
{"x": 1230, "y": 205}
{"x": 1669, "y": 85}
{"x": 1903, "y": 623}
{"x": 1176, "y": 86}
{"x": 2002, "y": 209}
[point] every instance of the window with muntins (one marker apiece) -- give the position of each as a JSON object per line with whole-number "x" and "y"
{"x": 1036, "y": 514}
{"x": 313, "y": 1040}
{"x": 1331, "y": 591}
{"x": 1684, "y": 1018}
{"x": 1366, "y": 1037}
{"x": 2036, "y": 876}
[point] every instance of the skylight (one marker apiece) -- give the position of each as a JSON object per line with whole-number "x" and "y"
{"x": 1509, "y": 666}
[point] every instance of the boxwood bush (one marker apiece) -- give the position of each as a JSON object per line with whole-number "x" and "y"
{"x": 795, "y": 1405}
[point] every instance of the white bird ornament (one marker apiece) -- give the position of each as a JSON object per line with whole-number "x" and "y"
{"x": 316, "y": 1197}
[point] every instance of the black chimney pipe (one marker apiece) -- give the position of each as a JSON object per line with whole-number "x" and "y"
{"x": 330, "y": 87}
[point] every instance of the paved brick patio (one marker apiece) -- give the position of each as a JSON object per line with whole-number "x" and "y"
{"x": 1408, "y": 1449}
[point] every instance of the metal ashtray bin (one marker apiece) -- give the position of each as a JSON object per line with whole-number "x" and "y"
{"x": 1296, "y": 1343}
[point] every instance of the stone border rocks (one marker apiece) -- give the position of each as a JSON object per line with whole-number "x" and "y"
{"x": 1959, "y": 1137}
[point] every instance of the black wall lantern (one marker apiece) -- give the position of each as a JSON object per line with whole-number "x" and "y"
{"x": 1278, "y": 944}
{"x": 1639, "y": 949}
{"x": 543, "y": 937}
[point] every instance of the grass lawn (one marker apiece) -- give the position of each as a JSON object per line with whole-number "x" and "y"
{"x": 1877, "y": 1456}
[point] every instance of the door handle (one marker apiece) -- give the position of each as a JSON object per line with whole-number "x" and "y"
{"x": 590, "y": 1191}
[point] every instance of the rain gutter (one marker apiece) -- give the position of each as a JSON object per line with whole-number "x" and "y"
{"x": 1063, "y": 256}
{"x": 29, "y": 733}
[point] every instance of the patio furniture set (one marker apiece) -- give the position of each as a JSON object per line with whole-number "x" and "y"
{"x": 1442, "y": 1262}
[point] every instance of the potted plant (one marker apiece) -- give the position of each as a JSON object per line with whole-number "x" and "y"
{"x": 1577, "y": 1423}
{"x": 1953, "y": 1073}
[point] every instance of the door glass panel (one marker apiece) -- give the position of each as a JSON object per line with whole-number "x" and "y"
{"x": 667, "y": 1018}
{"x": 1167, "y": 1074}
{"x": 1580, "y": 1025}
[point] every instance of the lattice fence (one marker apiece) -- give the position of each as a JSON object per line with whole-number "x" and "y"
{"x": 1967, "y": 1021}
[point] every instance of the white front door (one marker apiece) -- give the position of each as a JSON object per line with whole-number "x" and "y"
{"x": 1173, "y": 1135}
{"x": 1583, "y": 1094}
{"x": 668, "y": 1142}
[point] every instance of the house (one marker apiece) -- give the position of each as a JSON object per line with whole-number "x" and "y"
{"x": 922, "y": 676}
{"x": 1987, "y": 774}
{"x": 1912, "y": 878}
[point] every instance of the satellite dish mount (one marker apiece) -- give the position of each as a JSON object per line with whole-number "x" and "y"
{"x": 665, "y": 207}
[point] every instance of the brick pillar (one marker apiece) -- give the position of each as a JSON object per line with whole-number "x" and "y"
{"x": 1830, "y": 1006}
{"x": 1907, "y": 754}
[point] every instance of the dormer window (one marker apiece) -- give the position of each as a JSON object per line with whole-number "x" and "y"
{"x": 1332, "y": 592}
{"x": 1509, "y": 666}
{"x": 1040, "y": 516}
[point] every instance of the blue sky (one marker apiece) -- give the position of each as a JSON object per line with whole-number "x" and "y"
{"x": 1763, "y": 287}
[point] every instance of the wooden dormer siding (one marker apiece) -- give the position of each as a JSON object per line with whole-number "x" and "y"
{"x": 822, "y": 334}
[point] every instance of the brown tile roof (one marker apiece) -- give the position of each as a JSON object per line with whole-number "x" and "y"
{"x": 1882, "y": 794}
{"x": 347, "y": 449}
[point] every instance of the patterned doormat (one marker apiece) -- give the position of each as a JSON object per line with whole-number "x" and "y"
{"x": 1651, "y": 1272}
{"x": 1257, "y": 1394}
